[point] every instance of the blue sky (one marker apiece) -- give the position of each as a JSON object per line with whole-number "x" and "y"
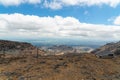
{"x": 93, "y": 14}
{"x": 78, "y": 19}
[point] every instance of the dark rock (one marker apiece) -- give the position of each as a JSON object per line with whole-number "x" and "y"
{"x": 109, "y": 48}
{"x": 14, "y": 45}
{"x": 21, "y": 78}
{"x": 11, "y": 74}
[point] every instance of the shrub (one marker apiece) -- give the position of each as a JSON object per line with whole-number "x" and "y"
{"x": 117, "y": 52}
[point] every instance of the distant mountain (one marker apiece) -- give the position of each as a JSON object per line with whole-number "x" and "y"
{"x": 109, "y": 48}
{"x": 6, "y": 45}
{"x": 61, "y": 47}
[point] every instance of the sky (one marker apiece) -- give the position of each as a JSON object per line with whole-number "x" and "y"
{"x": 84, "y": 20}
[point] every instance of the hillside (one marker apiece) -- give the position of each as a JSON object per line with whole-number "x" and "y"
{"x": 67, "y": 67}
{"x": 51, "y": 67}
{"x": 14, "y": 45}
{"x": 61, "y": 47}
{"x": 109, "y": 48}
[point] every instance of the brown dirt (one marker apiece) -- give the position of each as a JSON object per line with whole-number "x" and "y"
{"x": 67, "y": 67}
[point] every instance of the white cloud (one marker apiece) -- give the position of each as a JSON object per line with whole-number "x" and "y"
{"x": 33, "y": 1}
{"x": 27, "y": 26}
{"x": 57, "y": 4}
{"x": 117, "y": 20}
{"x": 18, "y": 2}
{"x": 52, "y": 5}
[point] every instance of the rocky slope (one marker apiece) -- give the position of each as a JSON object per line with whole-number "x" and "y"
{"x": 63, "y": 67}
{"x": 13, "y": 45}
{"x": 14, "y": 48}
{"x": 110, "y": 48}
{"x": 67, "y": 67}
{"x": 61, "y": 47}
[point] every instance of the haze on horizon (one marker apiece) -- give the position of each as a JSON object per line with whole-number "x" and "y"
{"x": 62, "y": 20}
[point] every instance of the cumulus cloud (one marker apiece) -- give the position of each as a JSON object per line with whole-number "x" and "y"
{"x": 57, "y": 4}
{"x": 117, "y": 20}
{"x": 18, "y": 2}
{"x": 52, "y": 5}
{"x": 13, "y": 25}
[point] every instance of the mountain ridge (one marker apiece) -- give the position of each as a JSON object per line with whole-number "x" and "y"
{"x": 6, "y": 45}
{"x": 113, "y": 47}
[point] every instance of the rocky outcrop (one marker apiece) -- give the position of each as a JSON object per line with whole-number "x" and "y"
{"x": 61, "y": 47}
{"x": 14, "y": 45}
{"x": 109, "y": 48}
